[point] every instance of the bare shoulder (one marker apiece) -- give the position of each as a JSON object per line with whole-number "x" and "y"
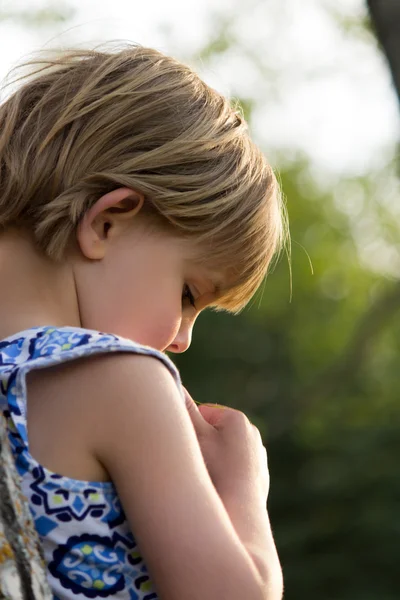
{"x": 113, "y": 369}
{"x": 72, "y": 407}
{"x": 128, "y": 415}
{"x": 125, "y": 393}
{"x": 123, "y": 389}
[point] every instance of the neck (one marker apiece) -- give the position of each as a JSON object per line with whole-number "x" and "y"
{"x": 35, "y": 291}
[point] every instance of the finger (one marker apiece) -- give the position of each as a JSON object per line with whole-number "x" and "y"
{"x": 217, "y": 415}
{"x": 199, "y": 423}
{"x": 256, "y": 432}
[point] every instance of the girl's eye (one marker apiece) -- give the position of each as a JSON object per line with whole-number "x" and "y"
{"x": 187, "y": 295}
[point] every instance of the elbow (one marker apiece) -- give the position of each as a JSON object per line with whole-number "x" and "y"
{"x": 269, "y": 580}
{"x": 269, "y": 589}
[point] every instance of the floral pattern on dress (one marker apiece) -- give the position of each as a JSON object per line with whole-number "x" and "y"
{"x": 89, "y": 549}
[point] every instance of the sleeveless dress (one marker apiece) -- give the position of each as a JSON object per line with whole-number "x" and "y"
{"x": 89, "y": 549}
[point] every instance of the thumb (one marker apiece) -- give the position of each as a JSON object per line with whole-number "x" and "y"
{"x": 199, "y": 423}
{"x": 214, "y": 414}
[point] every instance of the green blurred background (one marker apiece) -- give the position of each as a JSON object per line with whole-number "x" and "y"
{"x": 314, "y": 361}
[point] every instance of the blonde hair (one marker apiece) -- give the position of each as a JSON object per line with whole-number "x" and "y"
{"x": 86, "y": 122}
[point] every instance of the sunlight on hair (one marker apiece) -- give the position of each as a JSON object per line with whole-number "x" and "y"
{"x": 85, "y": 122}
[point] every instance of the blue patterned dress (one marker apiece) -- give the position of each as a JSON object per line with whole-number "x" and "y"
{"x": 89, "y": 549}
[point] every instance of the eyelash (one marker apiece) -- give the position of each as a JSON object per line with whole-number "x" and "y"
{"x": 188, "y": 294}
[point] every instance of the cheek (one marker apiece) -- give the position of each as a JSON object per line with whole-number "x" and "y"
{"x": 145, "y": 318}
{"x": 148, "y": 313}
{"x": 165, "y": 333}
{"x": 154, "y": 325}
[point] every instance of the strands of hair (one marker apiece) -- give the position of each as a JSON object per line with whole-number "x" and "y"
{"x": 84, "y": 122}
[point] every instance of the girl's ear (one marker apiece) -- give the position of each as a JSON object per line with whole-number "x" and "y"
{"x": 105, "y": 219}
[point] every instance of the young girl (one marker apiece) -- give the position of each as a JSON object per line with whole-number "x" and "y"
{"x": 131, "y": 198}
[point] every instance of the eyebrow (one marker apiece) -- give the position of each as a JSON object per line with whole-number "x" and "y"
{"x": 217, "y": 286}
{"x": 211, "y": 301}
{"x": 217, "y": 283}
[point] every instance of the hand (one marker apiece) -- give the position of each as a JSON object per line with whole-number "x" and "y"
{"x": 232, "y": 449}
{"x": 237, "y": 463}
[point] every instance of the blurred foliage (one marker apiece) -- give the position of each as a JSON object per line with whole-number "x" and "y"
{"x": 319, "y": 377}
{"x": 317, "y": 370}
{"x": 318, "y": 374}
{"x": 360, "y": 26}
{"x": 50, "y": 14}
{"x": 218, "y": 44}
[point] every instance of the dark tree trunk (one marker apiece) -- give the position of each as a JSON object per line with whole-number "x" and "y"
{"x": 22, "y": 570}
{"x": 385, "y": 15}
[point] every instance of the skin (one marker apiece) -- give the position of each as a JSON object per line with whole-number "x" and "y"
{"x": 118, "y": 277}
{"x": 123, "y": 278}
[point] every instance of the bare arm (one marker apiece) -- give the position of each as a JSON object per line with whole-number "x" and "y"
{"x": 145, "y": 439}
{"x": 250, "y": 518}
{"x": 236, "y": 459}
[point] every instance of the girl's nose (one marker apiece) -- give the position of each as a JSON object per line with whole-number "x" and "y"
{"x": 182, "y": 339}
